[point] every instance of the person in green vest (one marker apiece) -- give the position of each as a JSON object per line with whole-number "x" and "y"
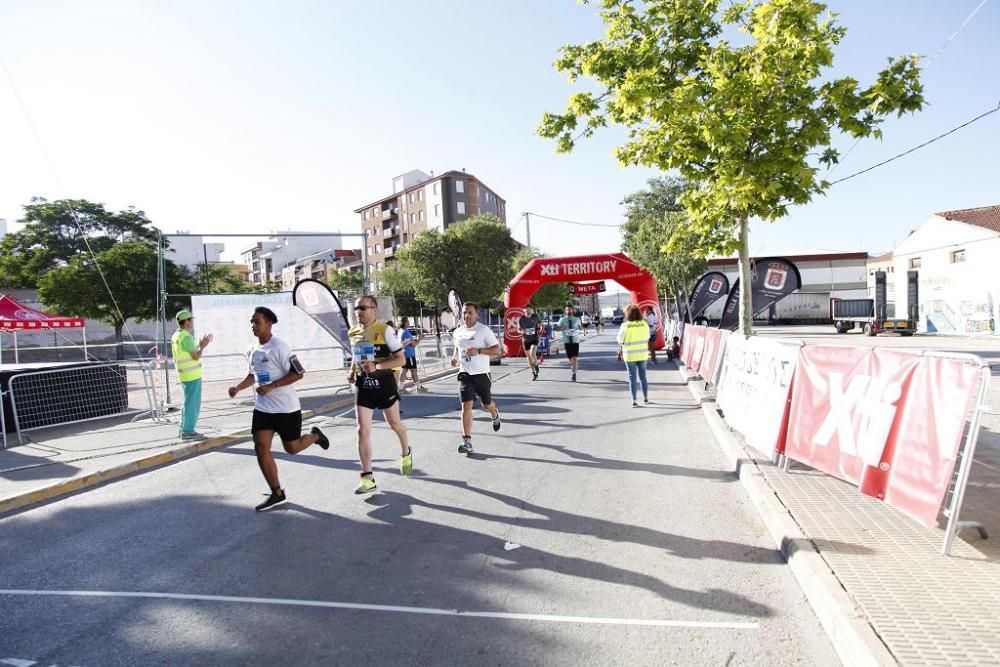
{"x": 187, "y": 361}
{"x": 633, "y": 337}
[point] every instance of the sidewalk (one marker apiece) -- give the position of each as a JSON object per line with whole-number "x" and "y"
{"x": 63, "y": 459}
{"x": 921, "y": 606}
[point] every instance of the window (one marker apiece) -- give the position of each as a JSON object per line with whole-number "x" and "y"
{"x": 459, "y": 186}
{"x": 915, "y": 263}
{"x": 420, "y": 217}
{"x": 420, "y": 195}
{"x": 375, "y": 211}
{"x": 366, "y": 215}
{"x": 958, "y": 256}
{"x": 435, "y": 188}
{"x": 461, "y": 207}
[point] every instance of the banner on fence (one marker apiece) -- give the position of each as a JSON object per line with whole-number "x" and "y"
{"x": 888, "y": 421}
{"x": 715, "y": 345}
{"x": 693, "y": 346}
{"x": 754, "y": 383}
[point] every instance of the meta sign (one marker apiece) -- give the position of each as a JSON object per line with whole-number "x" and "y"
{"x": 587, "y": 288}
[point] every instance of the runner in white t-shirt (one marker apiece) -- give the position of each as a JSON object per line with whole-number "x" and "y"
{"x": 273, "y": 367}
{"x": 475, "y": 343}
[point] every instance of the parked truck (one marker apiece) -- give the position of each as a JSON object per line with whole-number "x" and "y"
{"x": 849, "y": 313}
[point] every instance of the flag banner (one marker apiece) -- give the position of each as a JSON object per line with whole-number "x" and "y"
{"x": 710, "y": 288}
{"x": 318, "y": 301}
{"x": 771, "y": 279}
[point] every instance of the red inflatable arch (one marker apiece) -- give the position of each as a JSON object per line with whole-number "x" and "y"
{"x": 538, "y": 272}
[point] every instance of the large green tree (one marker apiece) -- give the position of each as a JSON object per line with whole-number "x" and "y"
{"x": 658, "y": 237}
{"x": 56, "y": 232}
{"x": 473, "y": 257}
{"x": 748, "y": 120}
{"x": 77, "y": 289}
{"x": 396, "y": 282}
{"x": 550, "y": 296}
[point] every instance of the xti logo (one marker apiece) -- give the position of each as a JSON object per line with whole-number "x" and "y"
{"x": 861, "y": 415}
{"x": 550, "y": 269}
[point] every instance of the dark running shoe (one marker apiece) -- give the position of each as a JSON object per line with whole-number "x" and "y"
{"x": 496, "y": 422}
{"x": 465, "y": 447}
{"x": 276, "y": 498}
{"x": 323, "y": 441}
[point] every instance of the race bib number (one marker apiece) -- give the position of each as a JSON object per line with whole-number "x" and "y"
{"x": 529, "y": 332}
{"x": 263, "y": 377}
{"x": 364, "y": 352}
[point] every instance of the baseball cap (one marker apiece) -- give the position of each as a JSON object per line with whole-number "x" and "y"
{"x": 184, "y": 315}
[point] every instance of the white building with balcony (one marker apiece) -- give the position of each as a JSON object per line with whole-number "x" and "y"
{"x": 267, "y": 259}
{"x": 191, "y": 250}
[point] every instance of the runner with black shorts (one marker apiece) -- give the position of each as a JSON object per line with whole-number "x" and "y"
{"x": 569, "y": 324}
{"x": 273, "y": 367}
{"x": 528, "y": 326}
{"x": 377, "y": 354}
{"x": 474, "y": 344}
{"x": 409, "y": 343}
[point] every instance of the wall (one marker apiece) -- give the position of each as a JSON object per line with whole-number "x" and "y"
{"x": 955, "y": 297}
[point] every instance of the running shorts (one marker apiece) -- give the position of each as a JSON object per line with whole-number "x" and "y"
{"x": 288, "y": 425}
{"x": 475, "y": 385}
{"x": 572, "y": 350}
{"x": 530, "y": 342}
{"x": 377, "y": 391}
{"x": 411, "y": 362}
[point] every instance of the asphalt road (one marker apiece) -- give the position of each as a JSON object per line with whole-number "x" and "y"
{"x": 585, "y": 532}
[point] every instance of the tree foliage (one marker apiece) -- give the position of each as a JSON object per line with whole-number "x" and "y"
{"x": 550, "y": 296}
{"x": 473, "y": 257}
{"x": 78, "y": 290}
{"x": 57, "y": 232}
{"x": 396, "y": 282}
{"x": 746, "y": 119}
{"x": 658, "y": 237}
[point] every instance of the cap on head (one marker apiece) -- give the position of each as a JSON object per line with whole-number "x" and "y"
{"x": 183, "y": 315}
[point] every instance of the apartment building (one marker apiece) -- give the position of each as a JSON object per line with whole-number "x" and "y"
{"x": 419, "y": 202}
{"x": 319, "y": 266}
{"x": 268, "y": 258}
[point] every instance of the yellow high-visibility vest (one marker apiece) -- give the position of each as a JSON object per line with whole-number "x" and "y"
{"x": 188, "y": 368}
{"x": 635, "y": 341}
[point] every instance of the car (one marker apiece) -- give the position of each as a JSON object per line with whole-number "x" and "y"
{"x": 617, "y": 319}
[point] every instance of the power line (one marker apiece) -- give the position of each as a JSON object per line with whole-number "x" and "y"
{"x": 573, "y": 222}
{"x": 918, "y": 147}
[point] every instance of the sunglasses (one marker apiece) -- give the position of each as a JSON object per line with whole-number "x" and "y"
{"x": 364, "y": 307}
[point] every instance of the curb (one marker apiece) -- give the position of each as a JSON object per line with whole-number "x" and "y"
{"x": 53, "y": 491}
{"x": 853, "y": 637}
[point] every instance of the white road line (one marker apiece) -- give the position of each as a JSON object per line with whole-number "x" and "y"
{"x": 431, "y": 611}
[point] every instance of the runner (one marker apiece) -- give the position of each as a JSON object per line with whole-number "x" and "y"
{"x": 569, "y": 324}
{"x": 273, "y": 366}
{"x": 585, "y": 321}
{"x": 409, "y": 343}
{"x": 528, "y": 325}
{"x": 652, "y": 322}
{"x": 474, "y": 344}
{"x": 600, "y": 324}
{"x": 377, "y": 355}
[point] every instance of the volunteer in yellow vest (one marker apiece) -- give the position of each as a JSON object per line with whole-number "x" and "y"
{"x": 187, "y": 361}
{"x": 633, "y": 337}
{"x": 377, "y": 354}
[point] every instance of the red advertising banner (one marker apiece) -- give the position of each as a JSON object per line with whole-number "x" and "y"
{"x": 888, "y": 421}
{"x": 587, "y": 288}
{"x": 693, "y": 346}
{"x": 711, "y": 355}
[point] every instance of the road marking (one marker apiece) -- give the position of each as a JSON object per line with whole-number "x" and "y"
{"x": 354, "y": 606}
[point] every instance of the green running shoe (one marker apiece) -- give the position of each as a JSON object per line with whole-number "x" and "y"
{"x": 496, "y": 422}
{"x": 367, "y": 485}
{"x": 406, "y": 463}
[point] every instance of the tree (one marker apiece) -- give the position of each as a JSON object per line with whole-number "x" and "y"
{"x": 747, "y": 123}
{"x": 658, "y": 237}
{"x": 57, "y": 232}
{"x": 78, "y": 290}
{"x": 397, "y": 283}
{"x": 473, "y": 257}
{"x": 217, "y": 279}
{"x": 550, "y": 296}
{"x": 349, "y": 282}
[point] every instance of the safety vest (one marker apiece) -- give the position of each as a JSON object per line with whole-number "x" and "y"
{"x": 188, "y": 368}
{"x": 635, "y": 342}
{"x": 375, "y": 334}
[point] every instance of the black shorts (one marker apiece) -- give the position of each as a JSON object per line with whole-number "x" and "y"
{"x": 288, "y": 425}
{"x": 411, "y": 362}
{"x": 530, "y": 342}
{"x": 475, "y": 385}
{"x": 572, "y": 350}
{"x": 377, "y": 391}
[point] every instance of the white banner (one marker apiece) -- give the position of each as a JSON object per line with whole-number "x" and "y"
{"x": 227, "y": 317}
{"x": 753, "y": 387}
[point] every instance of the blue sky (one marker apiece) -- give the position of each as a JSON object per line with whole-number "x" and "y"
{"x": 254, "y": 116}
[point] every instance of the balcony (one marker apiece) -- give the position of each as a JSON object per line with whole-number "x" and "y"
{"x": 390, "y": 230}
{"x": 390, "y": 212}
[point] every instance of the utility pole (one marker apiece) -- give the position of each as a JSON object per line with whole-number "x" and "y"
{"x": 527, "y": 228}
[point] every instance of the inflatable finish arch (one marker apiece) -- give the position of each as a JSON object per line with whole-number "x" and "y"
{"x": 543, "y": 270}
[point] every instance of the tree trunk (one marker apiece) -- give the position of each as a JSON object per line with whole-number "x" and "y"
{"x": 746, "y": 302}
{"x": 120, "y": 341}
